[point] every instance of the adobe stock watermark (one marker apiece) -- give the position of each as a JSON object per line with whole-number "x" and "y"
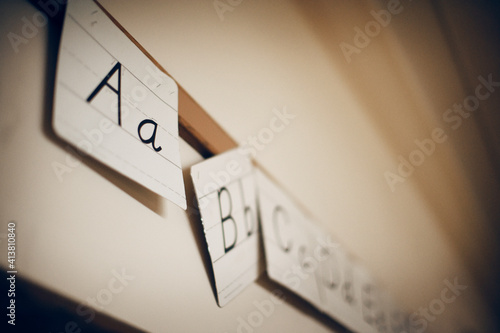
{"x": 363, "y": 37}
{"x": 453, "y": 116}
{"x": 294, "y": 277}
{"x": 103, "y": 298}
{"x": 309, "y": 265}
{"x": 255, "y": 143}
{"x": 249, "y": 148}
{"x": 263, "y": 309}
{"x": 223, "y": 6}
{"x": 220, "y": 178}
{"x": 232, "y": 168}
{"x": 31, "y": 27}
{"x": 94, "y": 137}
{"x": 419, "y": 320}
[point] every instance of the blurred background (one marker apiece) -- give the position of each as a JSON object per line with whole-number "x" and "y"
{"x": 393, "y": 144}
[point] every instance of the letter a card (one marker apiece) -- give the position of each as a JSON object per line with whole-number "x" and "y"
{"x": 225, "y": 189}
{"x": 114, "y": 104}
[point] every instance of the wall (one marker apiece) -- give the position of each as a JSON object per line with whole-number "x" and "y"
{"x": 352, "y": 121}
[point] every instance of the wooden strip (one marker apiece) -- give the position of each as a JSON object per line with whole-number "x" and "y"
{"x": 196, "y": 126}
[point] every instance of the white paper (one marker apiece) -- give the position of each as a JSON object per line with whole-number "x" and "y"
{"x": 304, "y": 258}
{"x": 369, "y": 303}
{"x": 334, "y": 277}
{"x": 398, "y": 321}
{"x": 225, "y": 189}
{"x": 289, "y": 243}
{"x": 114, "y": 104}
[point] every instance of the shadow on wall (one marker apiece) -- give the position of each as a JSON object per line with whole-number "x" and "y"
{"x": 39, "y": 309}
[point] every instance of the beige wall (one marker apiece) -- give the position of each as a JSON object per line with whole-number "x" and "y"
{"x": 352, "y": 121}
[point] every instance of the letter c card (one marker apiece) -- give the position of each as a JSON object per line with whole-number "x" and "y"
{"x": 288, "y": 238}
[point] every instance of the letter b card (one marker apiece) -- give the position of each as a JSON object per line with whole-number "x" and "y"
{"x": 114, "y": 104}
{"x": 225, "y": 189}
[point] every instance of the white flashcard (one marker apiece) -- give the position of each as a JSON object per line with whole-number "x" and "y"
{"x": 304, "y": 258}
{"x": 113, "y": 103}
{"x": 289, "y": 244}
{"x": 225, "y": 189}
{"x": 369, "y": 303}
{"x": 388, "y": 317}
{"x": 335, "y": 280}
{"x": 398, "y": 320}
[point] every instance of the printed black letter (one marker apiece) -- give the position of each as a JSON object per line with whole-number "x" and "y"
{"x": 151, "y": 140}
{"x": 276, "y": 212}
{"x": 226, "y": 218}
{"x": 117, "y": 91}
